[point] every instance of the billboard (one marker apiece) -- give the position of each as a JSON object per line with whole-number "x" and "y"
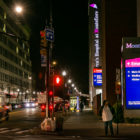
{"x": 132, "y": 80}
{"x": 97, "y": 77}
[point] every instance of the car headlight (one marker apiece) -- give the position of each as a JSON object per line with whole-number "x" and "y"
{"x": 33, "y": 104}
{"x": 27, "y": 105}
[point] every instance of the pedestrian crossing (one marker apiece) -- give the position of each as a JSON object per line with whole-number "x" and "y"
{"x": 13, "y": 131}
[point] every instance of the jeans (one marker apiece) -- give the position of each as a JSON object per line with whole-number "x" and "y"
{"x": 108, "y": 123}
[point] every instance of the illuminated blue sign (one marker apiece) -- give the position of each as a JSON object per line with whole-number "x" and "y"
{"x": 49, "y": 34}
{"x": 97, "y": 77}
{"x": 132, "y": 80}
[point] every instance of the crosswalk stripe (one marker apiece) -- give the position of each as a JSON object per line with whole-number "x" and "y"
{"x": 3, "y": 129}
{"x": 20, "y": 132}
{"x": 16, "y": 129}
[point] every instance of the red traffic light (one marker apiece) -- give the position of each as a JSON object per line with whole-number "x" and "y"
{"x": 50, "y": 93}
{"x": 58, "y": 80}
{"x": 50, "y": 107}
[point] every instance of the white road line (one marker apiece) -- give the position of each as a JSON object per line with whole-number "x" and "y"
{"x": 3, "y": 129}
{"x": 16, "y": 129}
{"x": 24, "y": 131}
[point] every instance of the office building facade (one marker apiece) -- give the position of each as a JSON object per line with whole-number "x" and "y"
{"x": 15, "y": 64}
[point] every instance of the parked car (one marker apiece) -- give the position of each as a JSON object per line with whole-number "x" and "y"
{"x": 4, "y": 113}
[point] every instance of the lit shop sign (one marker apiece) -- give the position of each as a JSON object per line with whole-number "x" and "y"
{"x": 132, "y": 80}
{"x": 97, "y": 77}
{"x": 96, "y": 34}
{"x": 130, "y": 45}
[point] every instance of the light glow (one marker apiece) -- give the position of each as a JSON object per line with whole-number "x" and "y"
{"x": 18, "y": 9}
{"x": 93, "y": 5}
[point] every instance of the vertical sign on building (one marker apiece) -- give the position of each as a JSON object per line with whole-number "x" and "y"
{"x": 96, "y": 36}
{"x": 97, "y": 77}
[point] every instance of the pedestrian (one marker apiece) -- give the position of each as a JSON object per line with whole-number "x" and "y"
{"x": 81, "y": 106}
{"x": 107, "y": 112}
{"x": 75, "y": 107}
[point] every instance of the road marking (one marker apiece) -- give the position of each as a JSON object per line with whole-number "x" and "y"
{"x": 112, "y": 138}
{"x": 24, "y": 131}
{"x": 3, "y": 129}
{"x": 16, "y": 129}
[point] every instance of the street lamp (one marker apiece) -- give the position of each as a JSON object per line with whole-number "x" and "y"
{"x": 54, "y": 63}
{"x": 69, "y": 81}
{"x": 64, "y": 73}
{"x": 18, "y": 9}
{"x": 72, "y": 85}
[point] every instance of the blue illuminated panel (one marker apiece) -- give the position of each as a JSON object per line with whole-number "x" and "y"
{"x": 97, "y": 77}
{"x": 132, "y": 79}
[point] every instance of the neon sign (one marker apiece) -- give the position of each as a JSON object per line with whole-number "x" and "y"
{"x": 93, "y": 5}
{"x": 130, "y": 45}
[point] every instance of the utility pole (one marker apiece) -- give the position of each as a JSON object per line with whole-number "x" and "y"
{"x": 49, "y": 37}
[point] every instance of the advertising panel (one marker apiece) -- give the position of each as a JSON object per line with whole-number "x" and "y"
{"x": 132, "y": 79}
{"x": 97, "y": 77}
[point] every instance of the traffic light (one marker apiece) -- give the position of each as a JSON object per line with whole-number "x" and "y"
{"x": 50, "y": 93}
{"x": 57, "y": 80}
{"x": 50, "y": 107}
{"x": 43, "y": 41}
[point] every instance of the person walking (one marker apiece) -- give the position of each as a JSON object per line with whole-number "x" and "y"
{"x": 81, "y": 106}
{"x": 107, "y": 112}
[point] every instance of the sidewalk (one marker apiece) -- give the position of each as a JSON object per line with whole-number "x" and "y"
{"x": 87, "y": 124}
{"x": 83, "y": 124}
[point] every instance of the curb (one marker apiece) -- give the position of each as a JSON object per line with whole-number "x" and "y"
{"x": 38, "y": 131}
{"x": 127, "y": 124}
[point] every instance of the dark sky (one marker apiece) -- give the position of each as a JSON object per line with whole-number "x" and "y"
{"x": 70, "y": 23}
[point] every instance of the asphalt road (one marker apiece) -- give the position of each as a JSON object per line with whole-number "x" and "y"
{"x": 77, "y": 126}
{"x": 23, "y": 119}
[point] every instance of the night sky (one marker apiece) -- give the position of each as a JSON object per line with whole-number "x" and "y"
{"x": 70, "y": 21}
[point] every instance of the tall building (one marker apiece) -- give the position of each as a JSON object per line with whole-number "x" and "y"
{"x": 95, "y": 56}
{"x": 112, "y": 21}
{"x": 15, "y": 63}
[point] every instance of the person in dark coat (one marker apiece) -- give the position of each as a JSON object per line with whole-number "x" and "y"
{"x": 81, "y": 106}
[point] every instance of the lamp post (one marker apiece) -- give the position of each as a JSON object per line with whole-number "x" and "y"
{"x": 64, "y": 73}
{"x": 54, "y": 63}
{"x": 18, "y": 9}
{"x": 69, "y": 81}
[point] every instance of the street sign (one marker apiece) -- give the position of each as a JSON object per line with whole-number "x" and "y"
{"x": 43, "y": 61}
{"x": 97, "y": 77}
{"x": 43, "y": 52}
{"x": 132, "y": 81}
{"x": 50, "y": 35}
